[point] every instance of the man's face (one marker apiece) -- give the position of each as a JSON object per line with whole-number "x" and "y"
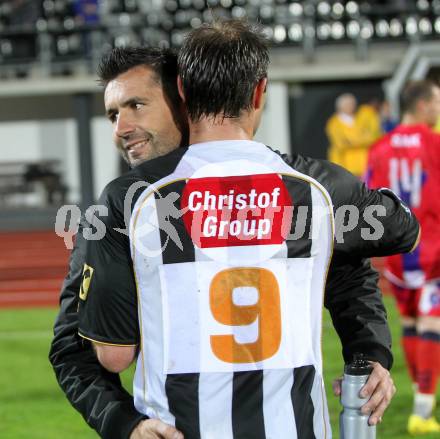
{"x": 431, "y": 108}
{"x": 348, "y": 105}
{"x": 143, "y": 123}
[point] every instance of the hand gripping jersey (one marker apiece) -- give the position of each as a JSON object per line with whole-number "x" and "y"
{"x": 407, "y": 161}
{"x": 220, "y": 280}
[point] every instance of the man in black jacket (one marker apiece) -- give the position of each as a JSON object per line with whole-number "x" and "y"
{"x": 144, "y": 109}
{"x": 351, "y": 290}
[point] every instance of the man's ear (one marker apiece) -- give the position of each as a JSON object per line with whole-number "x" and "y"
{"x": 180, "y": 88}
{"x": 259, "y": 92}
{"x": 422, "y": 106}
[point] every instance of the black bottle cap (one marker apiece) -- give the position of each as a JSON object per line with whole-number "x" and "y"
{"x": 359, "y": 366}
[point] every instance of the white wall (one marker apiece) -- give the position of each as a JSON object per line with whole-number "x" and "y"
{"x": 71, "y": 162}
{"x": 274, "y": 128}
{"x": 57, "y": 140}
{"x": 19, "y": 141}
{"x": 105, "y": 156}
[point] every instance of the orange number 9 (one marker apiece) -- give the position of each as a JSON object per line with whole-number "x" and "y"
{"x": 266, "y": 309}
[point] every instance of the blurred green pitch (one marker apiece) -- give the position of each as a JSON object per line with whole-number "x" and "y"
{"x": 33, "y": 406}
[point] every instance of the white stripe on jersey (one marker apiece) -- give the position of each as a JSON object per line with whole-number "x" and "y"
{"x": 149, "y": 381}
{"x": 321, "y": 421}
{"x": 215, "y": 405}
{"x": 278, "y": 411}
{"x": 319, "y": 275}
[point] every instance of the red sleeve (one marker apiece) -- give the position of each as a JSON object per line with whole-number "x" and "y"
{"x": 373, "y": 168}
{"x": 434, "y": 155}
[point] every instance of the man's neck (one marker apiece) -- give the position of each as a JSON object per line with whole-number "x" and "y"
{"x": 208, "y": 130}
{"x": 412, "y": 119}
{"x": 346, "y": 118}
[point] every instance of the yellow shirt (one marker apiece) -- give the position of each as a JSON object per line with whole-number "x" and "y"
{"x": 368, "y": 122}
{"x": 349, "y": 142}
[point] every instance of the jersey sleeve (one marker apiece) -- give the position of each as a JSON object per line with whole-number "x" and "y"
{"x": 355, "y": 304}
{"x": 371, "y": 222}
{"x": 434, "y": 155}
{"x": 96, "y": 393}
{"x": 373, "y": 174}
{"x": 352, "y": 295}
{"x": 367, "y": 223}
{"x": 108, "y": 298}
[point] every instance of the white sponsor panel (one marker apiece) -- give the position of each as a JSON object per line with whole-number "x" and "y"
{"x": 190, "y": 324}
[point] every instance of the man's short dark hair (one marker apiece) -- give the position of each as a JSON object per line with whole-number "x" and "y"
{"x": 162, "y": 61}
{"x": 220, "y": 65}
{"x": 414, "y": 92}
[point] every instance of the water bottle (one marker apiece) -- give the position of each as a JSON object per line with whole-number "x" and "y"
{"x": 353, "y": 423}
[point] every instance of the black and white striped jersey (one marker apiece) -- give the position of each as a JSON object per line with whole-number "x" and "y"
{"x": 216, "y": 260}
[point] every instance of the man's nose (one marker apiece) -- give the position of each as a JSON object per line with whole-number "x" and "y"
{"x": 124, "y": 125}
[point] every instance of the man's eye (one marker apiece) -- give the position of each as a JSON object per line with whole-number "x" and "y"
{"x": 112, "y": 118}
{"x": 138, "y": 106}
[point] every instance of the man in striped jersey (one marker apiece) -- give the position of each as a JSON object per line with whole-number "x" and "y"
{"x": 226, "y": 319}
